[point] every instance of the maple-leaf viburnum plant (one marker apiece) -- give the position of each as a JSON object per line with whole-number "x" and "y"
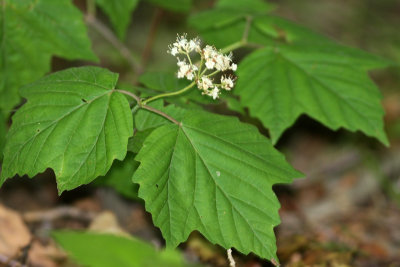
{"x": 194, "y": 169}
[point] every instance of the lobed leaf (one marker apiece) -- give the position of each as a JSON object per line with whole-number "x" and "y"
{"x": 31, "y": 32}
{"x": 73, "y": 122}
{"x": 213, "y": 174}
{"x": 327, "y": 82}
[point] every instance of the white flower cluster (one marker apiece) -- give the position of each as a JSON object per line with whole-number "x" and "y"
{"x": 212, "y": 61}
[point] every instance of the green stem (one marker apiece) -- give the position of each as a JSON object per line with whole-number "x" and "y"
{"x": 212, "y": 74}
{"x": 234, "y": 46}
{"x": 204, "y": 71}
{"x": 159, "y": 112}
{"x": 190, "y": 61}
{"x": 168, "y": 94}
{"x": 200, "y": 66}
{"x": 137, "y": 98}
{"x": 91, "y": 8}
{"x": 141, "y": 105}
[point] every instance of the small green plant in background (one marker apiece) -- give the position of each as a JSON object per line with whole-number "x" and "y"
{"x": 104, "y": 250}
{"x": 194, "y": 169}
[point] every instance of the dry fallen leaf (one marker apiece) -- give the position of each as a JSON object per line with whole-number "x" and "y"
{"x": 14, "y": 235}
{"x": 45, "y": 255}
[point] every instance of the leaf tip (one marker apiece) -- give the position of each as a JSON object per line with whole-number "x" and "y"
{"x": 274, "y": 134}
{"x": 381, "y": 137}
{"x": 3, "y": 176}
{"x": 94, "y": 58}
{"x": 384, "y": 140}
{"x": 275, "y": 261}
{"x": 298, "y": 174}
{"x": 60, "y": 189}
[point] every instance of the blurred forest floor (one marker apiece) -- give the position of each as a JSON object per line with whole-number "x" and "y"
{"x": 345, "y": 213}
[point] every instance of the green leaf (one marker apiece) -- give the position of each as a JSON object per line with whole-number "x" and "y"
{"x": 31, "y": 31}
{"x": 104, "y": 250}
{"x": 119, "y": 12}
{"x": 119, "y": 177}
{"x": 329, "y": 83}
{"x": 213, "y": 174}
{"x": 74, "y": 122}
{"x": 173, "y": 5}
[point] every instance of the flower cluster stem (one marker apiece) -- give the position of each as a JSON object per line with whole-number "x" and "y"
{"x": 169, "y": 94}
{"x": 212, "y": 74}
{"x": 234, "y": 46}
